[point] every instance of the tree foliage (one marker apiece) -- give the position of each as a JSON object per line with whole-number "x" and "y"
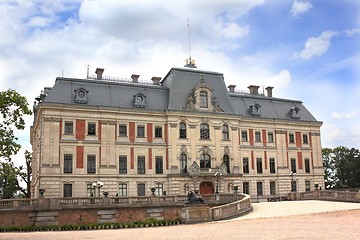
{"x": 13, "y": 107}
{"x": 329, "y": 168}
{"x": 10, "y": 175}
{"x": 25, "y": 173}
{"x": 9, "y": 184}
{"x": 342, "y": 167}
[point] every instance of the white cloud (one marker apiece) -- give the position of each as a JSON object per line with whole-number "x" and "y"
{"x": 337, "y": 115}
{"x": 316, "y": 46}
{"x": 351, "y": 32}
{"x": 232, "y": 30}
{"x": 39, "y": 21}
{"x": 281, "y": 80}
{"x": 299, "y": 8}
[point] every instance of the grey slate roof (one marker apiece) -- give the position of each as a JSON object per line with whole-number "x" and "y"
{"x": 181, "y": 81}
{"x": 172, "y": 95}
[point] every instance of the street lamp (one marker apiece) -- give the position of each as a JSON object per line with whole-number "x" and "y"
{"x": 292, "y": 174}
{"x": 217, "y": 175}
{"x": 98, "y": 185}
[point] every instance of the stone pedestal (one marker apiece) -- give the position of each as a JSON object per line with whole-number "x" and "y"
{"x": 193, "y": 213}
{"x": 292, "y": 196}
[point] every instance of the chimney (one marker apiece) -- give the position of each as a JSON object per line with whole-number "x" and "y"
{"x": 135, "y": 78}
{"x": 269, "y": 91}
{"x": 254, "y": 90}
{"x": 156, "y": 80}
{"x": 231, "y": 88}
{"x": 99, "y": 72}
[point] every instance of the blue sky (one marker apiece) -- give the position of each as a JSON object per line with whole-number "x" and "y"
{"x": 307, "y": 49}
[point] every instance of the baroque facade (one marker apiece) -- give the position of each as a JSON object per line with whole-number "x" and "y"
{"x": 187, "y": 131}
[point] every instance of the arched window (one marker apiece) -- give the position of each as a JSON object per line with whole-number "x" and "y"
{"x": 226, "y": 161}
{"x": 203, "y": 99}
{"x": 205, "y": 161}
{"x": 182, "y": 130}
{"x": 204, "y": 131}
{"x": 225, "y": 132}
{"x": 183, "y": 163}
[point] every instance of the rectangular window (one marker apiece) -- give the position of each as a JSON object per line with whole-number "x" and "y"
{"x": 246, "y": 188}
{"x": 90, "y": 191}
{"x": 305, "y": 138}
{"x": 122, "y": 130}
{"x": 67, "y": 191}
{"x": 270, "y": 137}
{"x": 259, "y": 188}
{"x": 307, "y": 165}
{"x": 259, "y": 165}
{"x": 69, "y": 128}
{"x": 141, "y": 189}
{"x": 122, "y": 164}
{"x": 244, "y": 136}
{"x": 91, "y": 164}
{"x": 293, "y": 165}
{"x": 140, "y": 131}
{"x": 159, "y": 165}
{"x": 245, "y": 165}
{"x": 203, "y": 99}
{"x": 182, "y": 130}
{"x": 291, "y": 138}
{"x": 307, "y": 186}
{"x": 122, "y": 190}
{"x": 272, "y": 165}
{"x": 141, "y": 164}
{"x": 158, "y": 131}
{"x": 204, "y": 131}
{"x": 68, "y": 163}
{"x": 272, "y": 188}
{"x": 159, "y": 189}
{"x": 257, "y": 136}
{"x": 91, "y": 128}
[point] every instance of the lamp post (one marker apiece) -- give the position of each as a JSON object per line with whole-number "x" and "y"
{"x": 217, "y": 175}
{"x": 292, "y": 174}
{"x": 98, "y": 185}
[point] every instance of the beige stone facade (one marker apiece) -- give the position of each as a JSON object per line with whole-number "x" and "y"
{"x": 133, "y": 149}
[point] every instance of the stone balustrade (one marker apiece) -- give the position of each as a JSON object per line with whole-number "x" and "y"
{"x": 327, "y": 195}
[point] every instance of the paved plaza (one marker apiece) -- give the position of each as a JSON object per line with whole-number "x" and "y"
{"x": 274, "y": 220}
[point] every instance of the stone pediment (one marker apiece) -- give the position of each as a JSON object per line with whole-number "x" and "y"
{"x": 194, "y": 169}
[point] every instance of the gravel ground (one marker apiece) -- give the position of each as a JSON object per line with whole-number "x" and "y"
{"x": 275, "y": 220}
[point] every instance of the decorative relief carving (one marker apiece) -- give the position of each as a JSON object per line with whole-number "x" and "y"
{"x": 217, "y": 127}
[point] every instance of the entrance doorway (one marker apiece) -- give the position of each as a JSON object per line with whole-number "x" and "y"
{"x": 206, "y": 188}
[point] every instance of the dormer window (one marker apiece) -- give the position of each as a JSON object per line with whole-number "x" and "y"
{"x": 203, "y": 99}
{"x": 255, "y": 109}
{"x": 139, "y": 100}
{"x": 294, "y": 112}
{"x": 81, "y": 95}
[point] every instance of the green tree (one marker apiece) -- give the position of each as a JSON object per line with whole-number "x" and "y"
{"x": 347, "y": 162}
{"x": 25, "y": 173}
{"x": 9, "y": 185}
{"x": 13, "y": 107}
{"x": 329, "y": 168}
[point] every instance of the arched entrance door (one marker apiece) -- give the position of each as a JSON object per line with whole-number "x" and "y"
{"x": 206, "y": 188}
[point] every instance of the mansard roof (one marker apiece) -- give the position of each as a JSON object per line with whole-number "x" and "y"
{"x": 172, "y": 95}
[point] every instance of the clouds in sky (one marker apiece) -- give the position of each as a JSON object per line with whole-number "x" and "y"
{"x": 316, "y": 46}
{"x": 342, "y": 115}
{"x": 250, "y": 41}
{"x": 298, "y": 8}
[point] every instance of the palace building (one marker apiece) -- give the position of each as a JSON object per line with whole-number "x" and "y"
{"x": 187, "y": 131}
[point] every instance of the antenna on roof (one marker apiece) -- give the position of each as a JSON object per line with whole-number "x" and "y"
{"x": 62, "y": 73}
{"x": 87, "y": 70}
{"x": 189, "y": 63}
